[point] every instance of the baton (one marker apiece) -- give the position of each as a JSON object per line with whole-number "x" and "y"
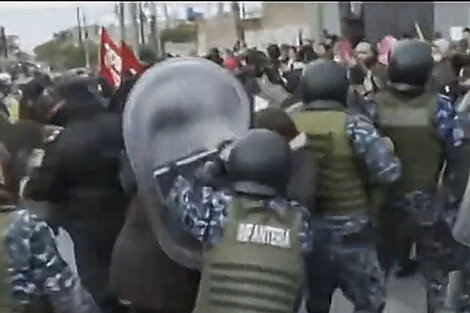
{"x": 418, "y": 30}
{"x": 184, "y": 161}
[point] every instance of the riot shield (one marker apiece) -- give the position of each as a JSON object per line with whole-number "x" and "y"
{"x": 179, "y": 112}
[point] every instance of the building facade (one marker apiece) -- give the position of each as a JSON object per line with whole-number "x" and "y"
{"x": 278, "y": 23}
{"x": 286, "y": 22}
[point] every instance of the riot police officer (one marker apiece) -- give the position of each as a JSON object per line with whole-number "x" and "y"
{"x": 343, "y": 145}
{"x": 415, "y": 118}
{"x": 254, "y": 240}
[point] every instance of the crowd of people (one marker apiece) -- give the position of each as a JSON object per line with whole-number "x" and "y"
{"x": 353, "y": 170}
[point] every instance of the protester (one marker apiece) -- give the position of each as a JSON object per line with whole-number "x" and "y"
{"x": 443, "y": 78}
{"x": 375, "y": 73}
{"x": 384, "y": 48}
{"x": 230, "y": 61}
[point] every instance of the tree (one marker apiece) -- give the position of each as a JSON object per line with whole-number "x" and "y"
{"x": 65, "y": 55}
{"x": 180, "y": 33}
{"x": 148, "y": 54}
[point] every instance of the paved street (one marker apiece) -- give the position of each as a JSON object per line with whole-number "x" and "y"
{"x": 405, "y": 296}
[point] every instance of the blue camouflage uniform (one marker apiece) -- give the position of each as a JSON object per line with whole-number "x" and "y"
{"x": 424, "y": 219}
{"x": 36, "y": 268}
{"x": 345, "y": 256}
{"x": 202, "y": 212}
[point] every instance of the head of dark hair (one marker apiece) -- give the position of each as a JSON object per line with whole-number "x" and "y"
{"x": 276, "y": 120}
{"x": 307, "y": 54}
{"x": 80, "y": 98}
{"x": 273, "y": 51}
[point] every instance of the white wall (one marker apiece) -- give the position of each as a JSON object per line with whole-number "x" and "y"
{"x": 287, "y": 34}
{"x": 448, "y": 14}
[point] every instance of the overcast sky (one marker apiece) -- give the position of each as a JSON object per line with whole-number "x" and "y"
{"x": 35, "y": 22}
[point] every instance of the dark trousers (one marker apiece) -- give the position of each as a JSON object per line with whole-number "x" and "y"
{"x": 438, "y": 253}
{"x": 351, "y": 266}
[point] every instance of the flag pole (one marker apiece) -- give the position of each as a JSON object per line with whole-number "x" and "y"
{"x": 420, "y": 33}
{"x": 85, "y": 42}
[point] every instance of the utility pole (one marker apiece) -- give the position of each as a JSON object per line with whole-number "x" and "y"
{"x": 154, "y": 29}
{"x": 80, "y": 40}
{"x": 122, "y": 24}
{"x": 167, "y": 16}
{"x": 87, "y": 56}
{"x": 238, "y": 24}
{"x": 319, "y": 19}
{"x": 135, "y": 28}
{"x": 315, "y": 13}
{"x": 4, "y": 42}
{"x": 142, "y": 24}
{"x": 220, "y": 8}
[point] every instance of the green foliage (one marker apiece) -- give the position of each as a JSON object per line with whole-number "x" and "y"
{"x": 66, "y": 55}
{"x": 147, "y": 54}
{"x": 180, "y": 33}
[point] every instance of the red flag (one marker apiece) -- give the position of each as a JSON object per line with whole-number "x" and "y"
{"x": 110, "y": 60}
{"x": 129, "y": 61}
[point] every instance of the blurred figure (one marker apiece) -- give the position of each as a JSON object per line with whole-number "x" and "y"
{"x": 284, "y": 55}
{"x": 292, "y": 54}
{"x": 343, "y": 53}
{"x": 308, "y": 54}
{"x": 443, "y": 78}
{"x": 375, "y": 73}
{"x": 384, "y": 48}
{"x": 273, "y": 65}
{"x": 31, "y": 91}
{"x": 5, "y": 87}
{"x": 119, "y": 98}
{"x": 214, "y": 56}
{"x": 68, "y": 100}
{"x": 464, "y": 44}
{"x": 230, "y": 60}
{"x": 250, "y": 68}
{"x": 463, "y": 102}
{"x": 78, "y": 179}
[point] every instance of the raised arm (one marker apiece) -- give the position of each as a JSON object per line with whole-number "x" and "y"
{"x": 381, "y": 163}
{"x": 38, "y": 269}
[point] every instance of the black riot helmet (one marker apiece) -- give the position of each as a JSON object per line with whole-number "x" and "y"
{"x": 324, "y": 80}
{"x": 410, "y": 62}
{"x": 260, "y": 163}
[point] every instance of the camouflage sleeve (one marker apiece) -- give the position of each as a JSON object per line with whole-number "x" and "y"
{"x": 202, "y": 213}
{"x": 18, "y": 249}
{"x": 305, "y": 233}
{"x": 383, "y": 166}
{"x": 38, "y": 269}
{"x": 72, "y": 298}
{"x": 369, "y": 108}
{"x": 446, "y": 122}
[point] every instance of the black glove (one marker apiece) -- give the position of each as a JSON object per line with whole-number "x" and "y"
{"x": 209, "y": 173}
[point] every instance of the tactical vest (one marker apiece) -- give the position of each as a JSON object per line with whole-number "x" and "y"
{"x": 341, "y": 187}
{"x": 408, "y": 123}
{"x": 257, "y": 265}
